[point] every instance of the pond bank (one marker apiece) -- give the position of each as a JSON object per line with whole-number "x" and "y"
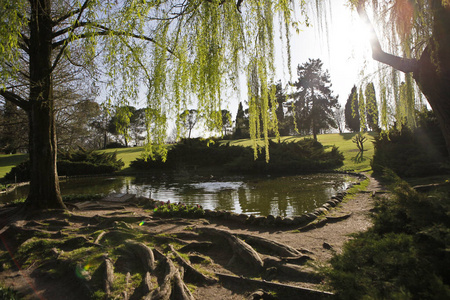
{"x": 80, "y": 237}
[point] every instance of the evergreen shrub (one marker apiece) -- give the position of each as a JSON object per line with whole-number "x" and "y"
{"x": 403, "y": 256}
{"x": 412, "y": 152}
{"x": 304, "y": 156}
{"x": 71, "y": 163}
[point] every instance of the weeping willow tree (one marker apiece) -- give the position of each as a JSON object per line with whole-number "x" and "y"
{"x": 174, "y": 52}
{"x": 416, "y": 42}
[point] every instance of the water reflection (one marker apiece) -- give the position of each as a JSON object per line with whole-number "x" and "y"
{"x": 284, "y": 196}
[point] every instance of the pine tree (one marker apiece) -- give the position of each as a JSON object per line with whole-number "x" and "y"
{"x": 314, "y": 101}
{"x": 371, "y": 107}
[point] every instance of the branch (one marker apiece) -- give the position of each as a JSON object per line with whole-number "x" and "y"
{"x": 72, "y": 29}
{"x": 405, "y": 65}
{"x": 15, "y": 99}
{"x": 106, "y": 31}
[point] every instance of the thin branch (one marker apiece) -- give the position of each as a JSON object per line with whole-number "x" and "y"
{"x": 106, "y": 31}
{"x": 58, "y": 57}
{"x": 15, "y": 99}
{"x": 405, "y": 65}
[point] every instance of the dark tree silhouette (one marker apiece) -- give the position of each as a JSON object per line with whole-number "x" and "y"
{"x": 314, "y": 101}
{"x": 352, "y": 111}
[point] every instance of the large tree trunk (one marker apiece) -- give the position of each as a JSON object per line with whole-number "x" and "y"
{"x": 433, "y": 73}
{"x": 44, "y": 184}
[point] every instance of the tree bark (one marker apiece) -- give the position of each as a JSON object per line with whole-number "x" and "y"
{"x": 432, "y": 71}
{"x": 44, "y": 183}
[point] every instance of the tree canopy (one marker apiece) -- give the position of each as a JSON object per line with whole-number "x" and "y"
{"x": 182, "y": 51}
{"x": 314, "y": 101}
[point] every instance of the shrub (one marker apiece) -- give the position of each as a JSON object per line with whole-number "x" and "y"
{"x": 178, "y": 210}
{"x": 72, "y": 163}
{"x": 403, "y": 256}
{"x": 412, "y": 153}
{"x": 304, "y": 156}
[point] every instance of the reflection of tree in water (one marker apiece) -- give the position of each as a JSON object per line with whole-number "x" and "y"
{"x": 103, "y": 185}
{"x": 265, "y": 199}
{"x": 225, "y": 199}
{"x": 285, "y": 196}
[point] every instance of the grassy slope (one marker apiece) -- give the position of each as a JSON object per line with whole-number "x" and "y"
{"x": 342, "y": 141}
{"x": 7, "y": 161}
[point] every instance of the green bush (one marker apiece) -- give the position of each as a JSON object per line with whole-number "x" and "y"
{"x": 304, "y": 156}
{"x": 8, "y": 294}
{"x": 181, "y": 210}
{"x": 403, "y": 256}
{"x": 72, "y": 163}
{"x": 412, "y": 153}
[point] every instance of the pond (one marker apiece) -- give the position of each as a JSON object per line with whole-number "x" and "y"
{"x": 259, "y": 196}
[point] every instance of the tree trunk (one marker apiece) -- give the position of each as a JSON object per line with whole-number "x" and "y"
{"x": 44, "y": 184}
{"x": 433, "y": 73}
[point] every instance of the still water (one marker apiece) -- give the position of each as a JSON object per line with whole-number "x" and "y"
{"x": 284, "y": 196}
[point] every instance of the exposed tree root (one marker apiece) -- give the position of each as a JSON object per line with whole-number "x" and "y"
{"x": 171, "y": 286}
{"x": 300, "y": 273}
{"x": 191, "y": 273}
{"x": 109, "y": 276}
{"x": 240, "y": 248}
{"x": 283, "y": 291}
{"x": 279, "y": 249}
{"x": 143, "y": 253}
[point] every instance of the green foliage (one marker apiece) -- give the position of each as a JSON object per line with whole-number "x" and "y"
{"x": 412, "y": 152}
{"x": 71, "y": 163}
{"x": 303, "y": 156}
{"x": 371, "y": 107}
{"x": 403, "y": 256}
{"x": 313, "y": 99}
{"x": 178, "y": 210}
{"x": 352, "y": 111}
{"x": 8, "y": 294}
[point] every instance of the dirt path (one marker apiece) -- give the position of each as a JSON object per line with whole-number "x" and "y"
{"x": 315, "y": 246}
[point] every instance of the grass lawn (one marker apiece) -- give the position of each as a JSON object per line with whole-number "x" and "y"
{"x": 353, "y": 161}
{"x": 7, "y": 161}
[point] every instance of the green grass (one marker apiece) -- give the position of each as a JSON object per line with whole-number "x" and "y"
{"x": 127, "y": 155}
{"x": 343, "y": 141}
{"x": 352, "y": 162}
{"x": 7, "y": 161}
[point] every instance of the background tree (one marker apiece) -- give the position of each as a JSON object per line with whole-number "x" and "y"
{"x": 73, "y": 116}
{"x": 314, "y": 101}
{"x": 241, "y": 130}
{"x": 339, "y": 117}
{"x": 119, "y": 125}
{"x": 417, "y": 33}
{"x": 13, "y": 128}
{"x": 189, "y": 119}
{"x": 227, "y": 123}
{"x": 352, "y": 111}
{"x": 362, "y": 111}
{"x": 371, "y": 107}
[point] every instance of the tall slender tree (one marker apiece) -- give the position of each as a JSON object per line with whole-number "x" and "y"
{"x": 371, "y": 107}
{"x": 352, "y": 111}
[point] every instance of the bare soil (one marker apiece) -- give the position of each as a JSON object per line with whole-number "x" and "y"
{"x": 217, "y": 254}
